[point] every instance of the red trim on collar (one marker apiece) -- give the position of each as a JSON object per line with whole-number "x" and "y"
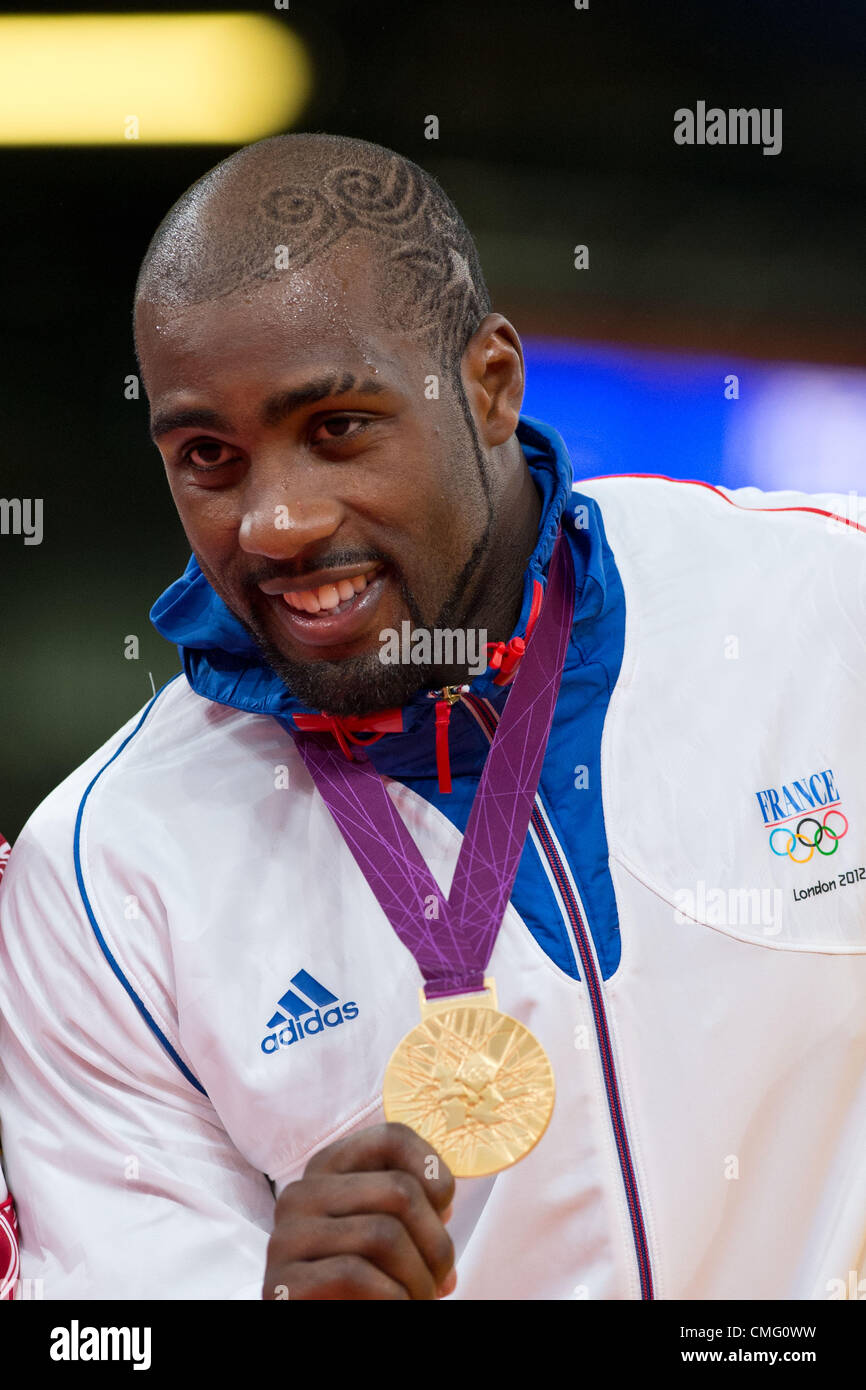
{"x": 344, "y": 727}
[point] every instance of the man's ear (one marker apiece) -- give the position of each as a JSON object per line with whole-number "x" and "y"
{"x": 493, "y": 378}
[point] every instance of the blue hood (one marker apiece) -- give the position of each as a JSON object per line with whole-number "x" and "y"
{"x": 223, "y": 663}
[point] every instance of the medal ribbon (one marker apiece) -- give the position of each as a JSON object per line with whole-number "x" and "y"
{"x": 453, "y": 948}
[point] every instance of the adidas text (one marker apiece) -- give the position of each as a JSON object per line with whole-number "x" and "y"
{"x": 296, "y": 1030}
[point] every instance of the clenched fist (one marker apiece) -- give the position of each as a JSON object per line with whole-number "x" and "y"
{"x": 365, "y": 1222}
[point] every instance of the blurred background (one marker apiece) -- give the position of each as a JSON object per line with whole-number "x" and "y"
{"x": 705, "y": 263}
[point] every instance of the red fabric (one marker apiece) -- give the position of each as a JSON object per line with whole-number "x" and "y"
{"x": 443, "y": 761}
{"x": 389, "y": 721}
{"x": 9, "y": 1263}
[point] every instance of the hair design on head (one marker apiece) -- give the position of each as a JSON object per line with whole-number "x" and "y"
{"x": 307, "y": 193}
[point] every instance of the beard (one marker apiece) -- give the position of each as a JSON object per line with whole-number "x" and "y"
{"x": 363, "y": 684}
{"x": 356, "y": 685}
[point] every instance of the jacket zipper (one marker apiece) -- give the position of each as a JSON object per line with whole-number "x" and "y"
{"x": 574, "y": 919}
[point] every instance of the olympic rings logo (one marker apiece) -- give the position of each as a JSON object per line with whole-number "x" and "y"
{"x": 812, "y": 840}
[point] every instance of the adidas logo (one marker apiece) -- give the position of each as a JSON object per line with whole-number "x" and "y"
{"x": 290, "y": 1023}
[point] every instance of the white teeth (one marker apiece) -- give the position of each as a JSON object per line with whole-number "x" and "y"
{"x": 328, "y": 596}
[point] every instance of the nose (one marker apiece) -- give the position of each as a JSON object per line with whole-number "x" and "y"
{"x": 280, "y": 525}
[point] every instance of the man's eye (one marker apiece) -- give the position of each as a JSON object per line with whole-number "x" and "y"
{"x": 207, "y": 456}
{"x": 339, "y": 427}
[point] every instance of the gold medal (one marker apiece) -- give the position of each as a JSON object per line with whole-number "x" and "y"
{"x": 473, "y": 1082}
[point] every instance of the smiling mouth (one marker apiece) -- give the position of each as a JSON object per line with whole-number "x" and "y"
{"x": 330, "y": 599}
{"x": 331, "y": 615}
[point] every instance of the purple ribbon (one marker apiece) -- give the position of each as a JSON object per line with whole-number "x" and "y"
{"x": 453, "y": 948}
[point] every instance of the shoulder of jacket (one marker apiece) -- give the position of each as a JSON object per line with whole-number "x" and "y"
{"x": 646, "y": 489}
{"x": 173, "y": 720}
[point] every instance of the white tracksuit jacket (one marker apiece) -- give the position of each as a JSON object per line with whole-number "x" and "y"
{"x": 735, "y": 1024}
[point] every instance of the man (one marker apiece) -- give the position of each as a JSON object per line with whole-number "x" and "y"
{"x": 201, "y": 987}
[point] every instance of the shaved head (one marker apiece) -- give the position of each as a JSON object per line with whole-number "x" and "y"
{"x": 336, "y": 405}
{"x": 274, "y": 207}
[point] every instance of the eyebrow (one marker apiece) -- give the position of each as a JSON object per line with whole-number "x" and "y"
{"x": 275, "y": 409}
